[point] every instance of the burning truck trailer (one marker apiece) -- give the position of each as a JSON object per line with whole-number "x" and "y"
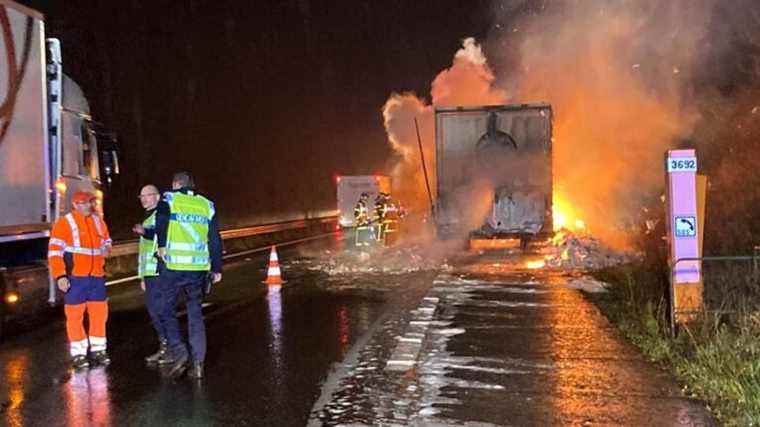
{"x": 49, "y": 148}
{"x": 494, "y": 174}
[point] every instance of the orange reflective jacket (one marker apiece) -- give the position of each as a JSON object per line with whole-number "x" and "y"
{"x": 85, "y": 239}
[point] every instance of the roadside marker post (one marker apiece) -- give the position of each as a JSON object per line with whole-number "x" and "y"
{"x": 686, "y": 205}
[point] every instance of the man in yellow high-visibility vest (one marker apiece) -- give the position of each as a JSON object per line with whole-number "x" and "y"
{"x": 147, "y": 268}
{"x": 189, "y": 248}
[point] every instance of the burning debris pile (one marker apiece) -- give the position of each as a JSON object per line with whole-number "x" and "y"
{"x": 396, "y": 260}
{"x": 580, "y": 251}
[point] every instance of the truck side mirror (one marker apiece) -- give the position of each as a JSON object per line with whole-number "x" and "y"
{"x": 109, "y": 165}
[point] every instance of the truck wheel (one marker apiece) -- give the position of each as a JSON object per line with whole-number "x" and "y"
{"x": 524, "y": 243}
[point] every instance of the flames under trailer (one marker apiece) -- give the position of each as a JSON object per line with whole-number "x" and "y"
{"x": 494, "y": 174}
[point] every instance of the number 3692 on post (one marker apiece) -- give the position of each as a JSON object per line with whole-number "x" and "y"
{"x": 682, "y": 164}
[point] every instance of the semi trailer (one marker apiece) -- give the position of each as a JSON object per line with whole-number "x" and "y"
{"x": 494, "y": 172}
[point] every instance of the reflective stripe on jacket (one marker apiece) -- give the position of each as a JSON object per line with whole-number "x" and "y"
{"x": 361, "y": 213}
{"x": 147, "y": 264}
{"x": 187, "y": 236}
{"x": 87, "y": 241}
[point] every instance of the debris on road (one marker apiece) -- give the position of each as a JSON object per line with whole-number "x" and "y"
{"x": 396, "y": 260}
{"x": 565, "y": 251}
{"x": 587, "y": 284}
{"x": 568, "y": 250}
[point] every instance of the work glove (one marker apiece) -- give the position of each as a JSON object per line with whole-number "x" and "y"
{"x": 63, "y": 284}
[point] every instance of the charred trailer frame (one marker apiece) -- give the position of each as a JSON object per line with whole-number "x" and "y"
{"x": 494, "y": 172}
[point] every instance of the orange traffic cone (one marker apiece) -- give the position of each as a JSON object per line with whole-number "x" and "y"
{"x": 274, "y": 277}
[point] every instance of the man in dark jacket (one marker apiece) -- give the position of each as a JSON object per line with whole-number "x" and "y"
{"x": 189, "y": 247}
{"x": 147, "y": 268}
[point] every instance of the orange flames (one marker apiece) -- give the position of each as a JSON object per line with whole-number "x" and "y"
{"x": 617, "y": 107}
{"x": 615, "y": 75}
{"x": 565, "y": 216}
{"x": 535, "y": 265}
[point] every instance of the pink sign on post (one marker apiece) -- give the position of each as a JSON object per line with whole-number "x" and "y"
{"x": 682, "y": 210}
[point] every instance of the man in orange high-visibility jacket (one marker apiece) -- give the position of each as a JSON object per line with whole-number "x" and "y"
{"x": 78, "y": 246}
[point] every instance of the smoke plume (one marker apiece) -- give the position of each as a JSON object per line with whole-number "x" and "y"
{"x": 468, "y": 82}
{"x": 617, "y": 74}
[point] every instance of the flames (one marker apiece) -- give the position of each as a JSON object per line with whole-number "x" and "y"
{"x": 535, "y": 265}
{"x": 566, "y": 216}
{"x": 617, "y": 75}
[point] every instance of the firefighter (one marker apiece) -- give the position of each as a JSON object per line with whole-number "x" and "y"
{"x": 363, "y": 221}
{"x": 190, "y": 249}
{"x": 381, "y": 210}
{"x": 147, "y": 268}
{"x": 393, "y": 214}
{"x": 79, "y": 244}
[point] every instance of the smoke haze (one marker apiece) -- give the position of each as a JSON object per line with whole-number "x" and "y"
{"x": 468, "y": 82}
{"x": 618, "y": 75}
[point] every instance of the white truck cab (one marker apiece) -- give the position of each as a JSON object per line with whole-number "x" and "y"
{"x": 49, "y": 148}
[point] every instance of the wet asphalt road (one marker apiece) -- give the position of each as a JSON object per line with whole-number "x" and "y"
{"x": 490, "y": 346}
{"x": 491, "y": 343}
{"x": 268, "y": 352}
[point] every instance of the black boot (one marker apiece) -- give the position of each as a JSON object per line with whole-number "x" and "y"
{"x": 196, "y": 372}
{"x": 155, "y": 358}
{"x": 80, "y": 362}
{"x": 166, "y": 359}
{"x": 178, "y": 366}
{"x": 101, "y": 358}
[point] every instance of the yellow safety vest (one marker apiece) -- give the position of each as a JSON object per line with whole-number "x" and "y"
{"x": 187, "y": 238}
{"x": 147, "y": 264}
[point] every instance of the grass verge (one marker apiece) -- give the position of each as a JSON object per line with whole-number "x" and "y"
{"x": 716, "y": 358}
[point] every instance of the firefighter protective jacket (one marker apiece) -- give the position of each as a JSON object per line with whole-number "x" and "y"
{"x": 78, "y": 246}
{"x": 361, "y": 213}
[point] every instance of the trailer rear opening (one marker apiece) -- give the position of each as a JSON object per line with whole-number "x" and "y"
{"x": 494, "y": 173}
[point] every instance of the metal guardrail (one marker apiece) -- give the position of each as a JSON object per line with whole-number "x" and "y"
{"x": 755, "y": 258}
{"x": 130, "y": 247}
{"x": 235, "y": 255}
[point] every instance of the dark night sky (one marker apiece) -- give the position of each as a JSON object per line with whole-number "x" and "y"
{"x": 264, "y": 101}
